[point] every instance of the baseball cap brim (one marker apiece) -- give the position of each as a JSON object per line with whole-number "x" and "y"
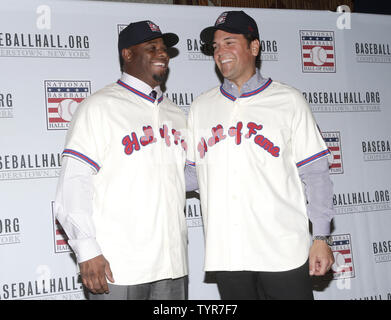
{"x": 170, "y": 39}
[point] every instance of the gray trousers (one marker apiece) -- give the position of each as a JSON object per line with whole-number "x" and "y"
{"x": 168, "y": 289}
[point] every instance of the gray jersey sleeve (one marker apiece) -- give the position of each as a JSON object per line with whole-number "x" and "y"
{"x": 319, "y": 192}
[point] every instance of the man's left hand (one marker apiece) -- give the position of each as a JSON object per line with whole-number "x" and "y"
{"x": 321, "y": 258}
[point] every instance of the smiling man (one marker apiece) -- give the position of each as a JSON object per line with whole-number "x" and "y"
{"x": 254, "y": 142}
{"x": 121, "y": 192}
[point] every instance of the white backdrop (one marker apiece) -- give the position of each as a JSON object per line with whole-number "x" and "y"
{"x": 58, "y": 50}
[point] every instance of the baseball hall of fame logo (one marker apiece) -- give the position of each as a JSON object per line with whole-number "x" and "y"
{"x": 153, "y": 27}
{"x": 333, "y": 142}
{"x": 60, "y": 238}
{"x": 317, "y": 51}
{"x": 342, "y": 250}
{"x": 221, "y": 18}
{"x": 62, "y": 98}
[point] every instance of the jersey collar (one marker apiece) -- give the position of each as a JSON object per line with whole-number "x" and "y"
{"x": 253, "y": 86}
{"x": 139, "y": 88}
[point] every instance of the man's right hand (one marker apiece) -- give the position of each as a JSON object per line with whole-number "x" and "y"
{"x": 94, "y": 272}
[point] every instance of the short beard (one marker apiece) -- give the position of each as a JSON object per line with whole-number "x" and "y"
{"x": 159, "y": 78}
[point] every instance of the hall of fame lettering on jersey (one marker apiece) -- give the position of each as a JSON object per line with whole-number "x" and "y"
{"x": 133, "y": 143}
{"x": 236, "y": 133}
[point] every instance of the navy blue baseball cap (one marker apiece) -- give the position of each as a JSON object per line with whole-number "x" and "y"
{"x": 233, "y": 22}
{"x": 142, "y": 31}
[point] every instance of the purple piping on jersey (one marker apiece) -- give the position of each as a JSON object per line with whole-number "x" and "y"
{"x": 190, "y": 163}
{"x": 82, "y": 157}
{"x": 312, "y": 158}
{"x": 246, "y": 94}
{"x": 139, "y": 93}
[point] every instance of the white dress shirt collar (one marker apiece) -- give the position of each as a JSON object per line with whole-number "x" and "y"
{"x": 139, "y": 84}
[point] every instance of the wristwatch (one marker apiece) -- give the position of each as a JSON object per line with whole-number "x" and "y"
{"x": 328, "y": 239}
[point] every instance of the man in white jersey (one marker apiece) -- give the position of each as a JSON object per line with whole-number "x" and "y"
{"x": 121, "y": 193}
{"x": 254, "y": 142}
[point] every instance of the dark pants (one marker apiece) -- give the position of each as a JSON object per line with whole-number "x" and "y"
{"x": 252, "y": 285}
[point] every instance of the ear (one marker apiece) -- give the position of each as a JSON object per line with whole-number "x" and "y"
{"x": 127, "y": 54}
{"x": 255, "y": 46}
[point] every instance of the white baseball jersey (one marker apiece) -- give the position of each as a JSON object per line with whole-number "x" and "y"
{"x": 136, "y": 146}
{"x": 247, "y": 151}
